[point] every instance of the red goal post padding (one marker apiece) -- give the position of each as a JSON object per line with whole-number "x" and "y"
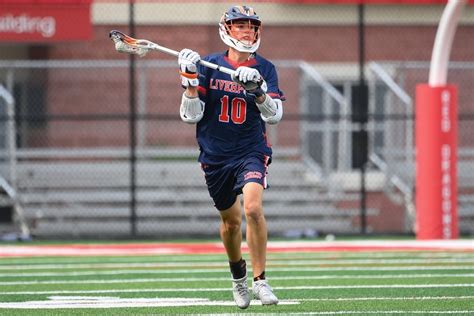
{"x": 436, "y": 162}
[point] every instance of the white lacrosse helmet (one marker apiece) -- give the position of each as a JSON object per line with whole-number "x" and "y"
{"x": 240, "y": 13}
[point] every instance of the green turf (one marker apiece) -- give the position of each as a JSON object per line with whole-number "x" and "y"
{"x": 373, "y": 283}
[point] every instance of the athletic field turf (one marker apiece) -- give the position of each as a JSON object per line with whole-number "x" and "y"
{"x": 310, "y": 278}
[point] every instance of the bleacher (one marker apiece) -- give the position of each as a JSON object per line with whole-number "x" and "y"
{"x": 406, "y": 173}
{"x": 91, "y": 197}
{"x": 87, "y": 193}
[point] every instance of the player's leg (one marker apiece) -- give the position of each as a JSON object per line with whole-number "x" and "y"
{"x": 231, "y": 235}
{"x": 252, "y": 180}
{"x": 256, "y": 226}
{"x": 257, "y": 241}
{"x": 231, "y": 232}
{"x": 220, "y": 183}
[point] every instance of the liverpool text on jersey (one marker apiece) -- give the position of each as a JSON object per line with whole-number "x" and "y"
{"x": 225, "y": 85}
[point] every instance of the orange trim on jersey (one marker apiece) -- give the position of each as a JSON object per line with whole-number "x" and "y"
{"x": 189, "y": 76}
{"x": 235, "y": 65}
{"x": 267, "y": 140}
{"x": 202, "y": 91}
{"x": 274, "y": 95}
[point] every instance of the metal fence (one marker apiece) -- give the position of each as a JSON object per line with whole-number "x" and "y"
{"x": 69, "y": 187}
{"x": 73, "y": 170}
{"x": 100, "y": 150}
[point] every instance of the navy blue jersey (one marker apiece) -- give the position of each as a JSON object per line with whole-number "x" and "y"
{"x": 231, "y": 126}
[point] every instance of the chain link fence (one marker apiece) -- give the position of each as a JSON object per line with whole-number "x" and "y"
{"x": 340, "y": 166}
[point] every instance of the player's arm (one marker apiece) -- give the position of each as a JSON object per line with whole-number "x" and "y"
{"x": 192, "y": 108}
{"x": 271, "y": 110}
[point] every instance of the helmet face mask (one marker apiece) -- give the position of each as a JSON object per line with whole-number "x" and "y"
{"x": 240, "y": 29}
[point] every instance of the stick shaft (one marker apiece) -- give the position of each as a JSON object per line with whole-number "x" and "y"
{"x": 207, "y": 64}
{"x": 146, "y": 44}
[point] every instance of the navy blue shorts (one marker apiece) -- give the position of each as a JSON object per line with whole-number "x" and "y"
{"x": 225, "y": 182}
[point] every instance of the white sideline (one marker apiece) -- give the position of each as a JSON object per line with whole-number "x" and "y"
{"x": 116, "y": 302}
{"x": 221, "y": 264}
{"x": 225, "y": 289}
{"x": 307, "y": 277}
{"x": 56, "y": 302}
{"x": 386, "y": 298}
{"x": 386, "y": 244}
{"x": 423, "y": 312}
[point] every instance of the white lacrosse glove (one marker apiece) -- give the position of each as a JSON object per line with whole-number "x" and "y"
{"x": 251, "y": 80}
{"x": 187, "y": 60}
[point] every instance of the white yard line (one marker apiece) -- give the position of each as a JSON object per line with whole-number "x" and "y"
{"x": 220, "y": 264}
{"x": 275, "y": 259}
{"x": 116, "y": 302}
{"x": 226, "y": 270}
{"x": 365, "y": 254}
{"x": 382, "y": 243}
{"x": 74, "y": 302}
{"x": 322, "y": 287}
{"x": 423, "y": 312}
{"x": 385, "y": 298}
{"x": 207, "y": 279}
{"x": 279, "y": 256}
{"x": 407, "y": 312}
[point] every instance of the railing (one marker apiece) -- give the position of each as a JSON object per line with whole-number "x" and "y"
{"x": 10, "y": 143}
{"x": 314, "y": 76}
{"x": 397, "y": 158}
{"x": 10, "y": 146}
{"x": 382, "y": 159}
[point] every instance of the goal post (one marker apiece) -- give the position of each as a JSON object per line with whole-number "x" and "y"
{"x": 436, "y": 138}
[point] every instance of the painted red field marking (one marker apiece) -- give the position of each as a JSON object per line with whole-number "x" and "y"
{"x": 217, "y": 248}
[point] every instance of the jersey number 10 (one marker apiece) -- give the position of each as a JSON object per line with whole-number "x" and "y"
{"x": 238, "y": 110}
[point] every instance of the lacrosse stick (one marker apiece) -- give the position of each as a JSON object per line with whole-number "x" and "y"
{"x": 130, "y": 45}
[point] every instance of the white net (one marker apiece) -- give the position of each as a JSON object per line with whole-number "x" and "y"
{"x": 124, "y": 48}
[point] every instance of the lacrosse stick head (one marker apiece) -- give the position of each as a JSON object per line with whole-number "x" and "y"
{"x": 127, "y": 44}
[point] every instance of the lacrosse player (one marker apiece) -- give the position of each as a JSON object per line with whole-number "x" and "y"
{"x": 231, "y": 113}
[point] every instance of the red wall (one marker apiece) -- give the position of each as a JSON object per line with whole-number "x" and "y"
{"x": 106, "y": 91}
